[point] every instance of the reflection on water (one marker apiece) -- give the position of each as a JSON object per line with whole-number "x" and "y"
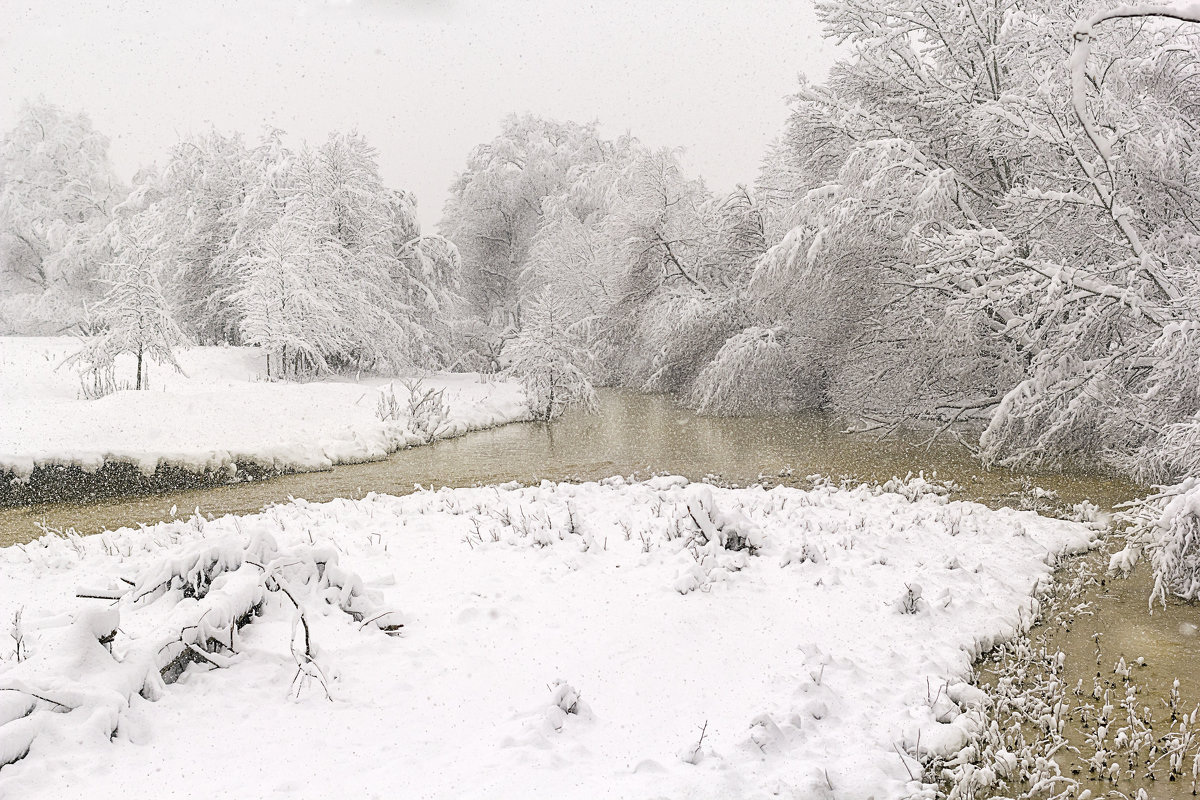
{"x": 633, "y": 433}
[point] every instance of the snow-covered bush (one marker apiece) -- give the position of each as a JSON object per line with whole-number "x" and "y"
{"x": 729, "y": 530}
{"x": 1166, "y": 527}
{"x": 755, "y": 371}
{"x": 100, "y": 381}
{"x": 910, "y": 601}
{"x": 697, "y": 751}
{"x": 425, "y": 412}
{"x": 387, "y": 405}
{"x": 718, "y": 542}
{"x": 565, "y": 702}
{"x": 914, "y": 487}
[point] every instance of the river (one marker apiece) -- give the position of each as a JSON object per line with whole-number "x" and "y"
{"x": 632, "y": 434}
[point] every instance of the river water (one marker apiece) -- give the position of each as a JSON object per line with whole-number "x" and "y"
{"x": 633, "y": 434}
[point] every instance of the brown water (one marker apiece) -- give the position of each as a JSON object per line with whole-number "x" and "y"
{"x": 1158, "y": 649}
{"x": 633, "y": 434}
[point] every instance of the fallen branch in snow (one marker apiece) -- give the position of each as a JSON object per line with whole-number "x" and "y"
{"x": 306, "y": 662}
{"x": 37, "y": 696}
{"x": 205, "y": 594}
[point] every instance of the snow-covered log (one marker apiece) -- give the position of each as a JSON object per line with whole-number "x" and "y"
{"x": 82, "y": 672}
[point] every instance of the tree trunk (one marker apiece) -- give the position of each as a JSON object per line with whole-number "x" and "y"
{"x": 139, "y": 368}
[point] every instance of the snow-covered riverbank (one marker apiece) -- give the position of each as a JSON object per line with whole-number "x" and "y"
{"x": 593, "y": 640}
{"x": 219, "y": 413}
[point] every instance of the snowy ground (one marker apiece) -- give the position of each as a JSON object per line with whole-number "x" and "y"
{"x": 837, "y": 638}
{"x": 220, "y": 411}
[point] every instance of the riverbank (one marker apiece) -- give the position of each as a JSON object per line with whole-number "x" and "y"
{"x": 220, "y": 420}
{"x": 597, "y": 639}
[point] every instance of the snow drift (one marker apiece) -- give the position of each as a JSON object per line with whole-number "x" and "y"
{"x": 592, "y": 640}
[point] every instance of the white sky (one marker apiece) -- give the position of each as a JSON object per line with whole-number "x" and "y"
{"x": 423, "y": 80}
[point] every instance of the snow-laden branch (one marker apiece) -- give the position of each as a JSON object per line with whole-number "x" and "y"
{"x": 1083, "y": 36}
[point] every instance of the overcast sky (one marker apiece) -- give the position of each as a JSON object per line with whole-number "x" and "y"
{"x": 423, "y": 80}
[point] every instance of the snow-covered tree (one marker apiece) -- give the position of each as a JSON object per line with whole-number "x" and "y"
{"x": 755, "y": 372}
{"x": 288, "y": 302}
{"x": 675, "y": 264}
{"x": 237, "y": 219}
{"x": 950, "y": 228}
{"x": 427, "y": 273}
{"x": 57, "y": 191}
{"x": 550, "y": 359}
{"x": 134, "y": 314}
{"x": 640, "y": 257}
{"x": 204, "y": 211}
{"x": 341, "y": 202}
{"x": 332, "y": 271}
{"x": 495, "y": 207}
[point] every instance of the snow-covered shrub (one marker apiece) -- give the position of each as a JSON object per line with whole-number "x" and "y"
{"x": 755, "y": 371}
{"x": 17, "y": 633}
{"x": 806, "y": 553}
{"x": 1090, "y": 514}
{"x": 697, "y": 751}
{"x": 1166, "y": 526}
{"x": 719, "y": 541}
{"x": 566, "y": 697}
{"x": 914, "y": 487}
{"x": 345, "y": 589}
{"x": 427, "y": 410}
{"x": 477, "y": 346}
{"x": 387, "y": 406}
{"x": 728, "y": 530}
{"x": 100, "y": 381}
{"x": 910, "y": 601}
{"x": 564, "y": 702}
